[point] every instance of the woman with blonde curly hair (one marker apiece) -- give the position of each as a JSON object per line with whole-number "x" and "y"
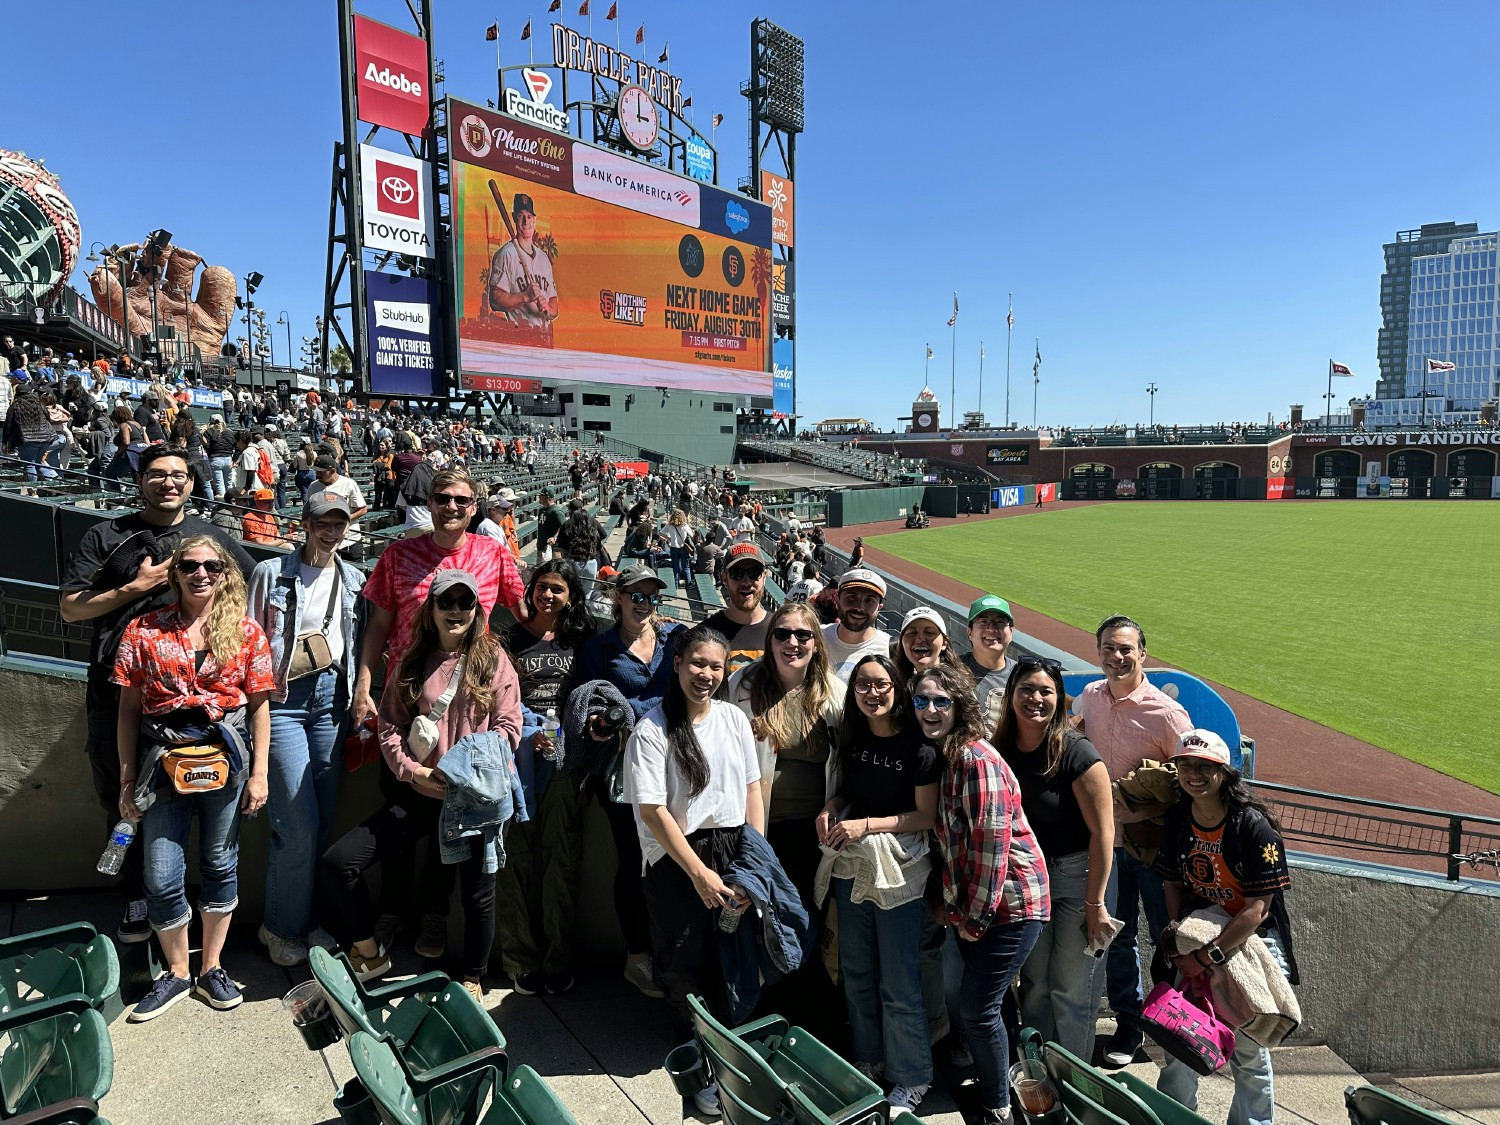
{"x": 194, "y": 681}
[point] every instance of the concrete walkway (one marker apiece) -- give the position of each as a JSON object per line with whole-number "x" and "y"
{"x": 599, "y": 1047}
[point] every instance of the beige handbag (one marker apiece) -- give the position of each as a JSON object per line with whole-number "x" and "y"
{"x": 310, "y": 651}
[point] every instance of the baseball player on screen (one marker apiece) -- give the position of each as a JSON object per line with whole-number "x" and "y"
{"x": 521, "y": 281}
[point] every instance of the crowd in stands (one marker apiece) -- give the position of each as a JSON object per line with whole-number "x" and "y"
{"x": 784, "y": 759}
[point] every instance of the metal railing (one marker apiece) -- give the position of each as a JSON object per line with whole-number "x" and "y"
{"x": 1384, "y": 830}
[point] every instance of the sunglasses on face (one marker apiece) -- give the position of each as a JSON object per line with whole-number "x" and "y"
{"x": 190, "y": 566}
{"x": 447, "y": 499}
{"x": 639, "y": 598}
{"x": 802, "y": 636}
{"x": 456, "y": 601}
{"x": 938, "y": 702}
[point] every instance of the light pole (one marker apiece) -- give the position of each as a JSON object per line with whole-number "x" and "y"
{"x": 98, "y": 252}
{"x": 252, "y": 283}
{"x": 287, "y": 321}
{"x": 1151, "y": 389}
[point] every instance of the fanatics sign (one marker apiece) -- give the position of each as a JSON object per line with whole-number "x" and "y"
{"x": 392, "y": 84}
{"x": 393, "y": 189}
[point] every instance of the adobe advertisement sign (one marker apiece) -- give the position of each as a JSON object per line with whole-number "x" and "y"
{"x": 403, "y": 351}
{"x": 577, "y": 263}
{"x": 776, "y": 191}
{"x": 393, "y": 87}
{"x": 397, "y": 214}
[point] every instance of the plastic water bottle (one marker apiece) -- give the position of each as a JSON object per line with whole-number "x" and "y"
{"x": 729, "y": 916}
{"x": 114, "y": 853}
{"x": 550, "y": 728}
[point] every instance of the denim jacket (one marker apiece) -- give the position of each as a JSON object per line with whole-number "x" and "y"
{"x": 482, "y": 795}
{"x": 275, "y": 598}
{"x": 785, "y": 937}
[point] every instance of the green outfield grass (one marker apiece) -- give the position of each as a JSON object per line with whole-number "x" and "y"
{"x": 1379, "y": 619}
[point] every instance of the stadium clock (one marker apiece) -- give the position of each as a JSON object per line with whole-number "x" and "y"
{"x": 640, "y": 120}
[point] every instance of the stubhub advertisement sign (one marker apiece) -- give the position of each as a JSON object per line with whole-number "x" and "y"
{"x": 403, "y": 347}
{"x": 783, "y": 378}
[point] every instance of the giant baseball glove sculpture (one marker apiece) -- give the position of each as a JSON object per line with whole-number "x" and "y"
{"x": 211, "y": 311}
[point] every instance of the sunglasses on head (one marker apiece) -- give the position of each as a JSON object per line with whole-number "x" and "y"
{"x": 190, "y": 566}
{"x": 1039, "y": 662}
{"x": 939, "y": 702}
{"x": 464, "y": 601}
{"x": 780, "y": 633}
{"x": 639, "y": 598}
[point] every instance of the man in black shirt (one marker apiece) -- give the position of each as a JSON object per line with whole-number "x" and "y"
{"x": 743, "y": 618}
{"x": 145, "y": 417}
{"x": 117, "y": 573}
{"x": 548, "y": 523}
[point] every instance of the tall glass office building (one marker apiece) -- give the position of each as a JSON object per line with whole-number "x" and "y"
{"x": 1451, "y": 316}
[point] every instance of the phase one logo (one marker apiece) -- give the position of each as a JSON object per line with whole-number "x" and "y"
{"x": 536, "y": 109}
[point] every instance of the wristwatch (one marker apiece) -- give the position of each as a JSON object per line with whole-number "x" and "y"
{"x": 1215, "y": 955}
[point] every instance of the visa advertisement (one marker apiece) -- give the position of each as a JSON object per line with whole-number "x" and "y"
{"x": 574, "y": 263}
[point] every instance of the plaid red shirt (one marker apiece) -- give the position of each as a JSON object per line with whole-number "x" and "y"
{"x": 156, "y": 656}
{"x": 993, "y": 870}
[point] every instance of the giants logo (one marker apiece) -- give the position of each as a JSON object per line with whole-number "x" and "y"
{"x": 625, "y": 308}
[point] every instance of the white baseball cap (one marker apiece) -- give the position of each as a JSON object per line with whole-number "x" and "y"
{"x": 1204, "y": 745}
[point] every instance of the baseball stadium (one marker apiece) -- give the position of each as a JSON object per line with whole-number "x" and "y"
{"x": 509, "y": 603}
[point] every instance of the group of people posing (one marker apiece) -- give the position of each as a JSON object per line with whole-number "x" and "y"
{"x": 943, "y": 811}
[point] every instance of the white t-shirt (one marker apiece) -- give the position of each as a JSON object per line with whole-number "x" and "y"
{"x": 805, "y": 590}
{"x": 317, "y": 588}
{"x": 745, "y": 526}
{"x": 678, "y": 534}
{"x": 249, "y": 464}
{"x": 842, "y": 656}
{"x": 652, "y": 776}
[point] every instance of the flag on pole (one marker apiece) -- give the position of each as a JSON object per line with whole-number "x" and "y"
{"x": 663, "y": 56}
{"x": 583, "y": 9}
{"x": 555, "y": 6}
{"x": 687, "y": 101}
{"x": 1339, "y": 369}
{"x": 929, "y": 351}
{"x": 640, "y": 35}
{"x": 492, "y": 33}
{"x": 614, "y": 11}
{"x": 981, "y": 349}
{"x": 952, "y": 320}
{"x": 1441, "y": 365}
{"x": 1010, "y": 320}
{"x": 526, "y": 31}
{"x": 718, "y": 120}
{"x": 1036, "y": 366}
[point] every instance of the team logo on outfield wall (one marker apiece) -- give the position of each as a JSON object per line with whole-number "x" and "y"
{"x": 623, "y": 308}
{"x": 533, "y": 105}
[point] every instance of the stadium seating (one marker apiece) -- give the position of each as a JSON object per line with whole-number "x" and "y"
{"x": 1370, "y": 1105}
{"x": 56, "y": 962}
{"x": 56, "y": 1050}
{"x": 1091, "y": 1097}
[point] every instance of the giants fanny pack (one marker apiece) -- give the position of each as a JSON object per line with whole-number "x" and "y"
{"x": 197, "y": 769}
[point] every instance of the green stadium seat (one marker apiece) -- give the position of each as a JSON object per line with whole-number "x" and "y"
{"x": 708, "y": 593}
{"x": 54, "y": 1050}
{"x": 56, "y": 962}
{"x": 73, "y": 1111}
{"x": 1091, "y": 1097}
{"x": 408, "y": 1098}
{"x": 1370, "y": 1105}
{"x": 774, "y": 590}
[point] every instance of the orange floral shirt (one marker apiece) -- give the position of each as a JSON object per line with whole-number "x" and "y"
{"x": 156, "y": 656}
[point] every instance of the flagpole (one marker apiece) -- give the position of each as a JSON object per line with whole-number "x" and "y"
{"x": 926, "y": 365}
{"x": 532, "y": 42}
{"x": 1036, "y": 380}
{"x": 1329, "y": 396}
{"x": 1010, "y": 323}
{"x": 499, "y": 78}
{"x": 981, "y": 376}
{"x": 953, "y": 362}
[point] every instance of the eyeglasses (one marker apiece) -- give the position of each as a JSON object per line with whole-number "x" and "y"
{"x": 456, "y": 601}
{"x": 190, "y": 566}
{"x": 873, "y": 687}
{"x": 1190, "y": 765}
{"x": 745, "y": 574}
{"x": 447, "y": 499}
{"x": 802, "y": 636}
{"x": 157, "y": 476}
{"x": 1039, "y": 662}
{"x": 639, "y": 598}
{"x": 939, "y": 702}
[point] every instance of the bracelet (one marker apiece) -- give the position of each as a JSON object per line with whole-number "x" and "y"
{"x": 126, "y": 782}
{"x": 1086, "y": 902}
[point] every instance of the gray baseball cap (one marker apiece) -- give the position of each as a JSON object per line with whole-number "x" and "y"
{"x": 445, "y": 580}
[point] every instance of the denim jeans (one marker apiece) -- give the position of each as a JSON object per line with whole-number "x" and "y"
{"x": 221, "y": 473}
{"x": 1134, "y": 886}
{"x": 990, "y": 964}
{"x": 1060, "y": 983}
{"x": 307, "y": 750}
{"x": 1249, "y": 1066}
{"x": 883, "y": 985}
{"x": 32, "y": 453}
{"x": 56, "y": 450}
{"x": 165, "y": 831}
{"x": 682, "y": 565}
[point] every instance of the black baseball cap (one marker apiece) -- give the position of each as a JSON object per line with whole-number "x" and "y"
{"x": 522, "y": 203}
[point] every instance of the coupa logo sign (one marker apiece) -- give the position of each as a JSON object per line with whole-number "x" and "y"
{"x": 536, "y": 108}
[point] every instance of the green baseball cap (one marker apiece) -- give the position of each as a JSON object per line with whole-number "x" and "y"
{"x": 991, "y": 602}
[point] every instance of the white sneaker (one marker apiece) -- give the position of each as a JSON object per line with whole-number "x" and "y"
{"x": 283, "y": 952}
{"x": 706, "y": 1100}
{"x": 638, "y": 973}
{"x": 906, "y": 1098}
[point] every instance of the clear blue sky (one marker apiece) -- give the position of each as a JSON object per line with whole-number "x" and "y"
{"x": 1191, "y": 192}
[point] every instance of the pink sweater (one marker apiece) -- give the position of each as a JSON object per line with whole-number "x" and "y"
{"x": 459, "y": 720}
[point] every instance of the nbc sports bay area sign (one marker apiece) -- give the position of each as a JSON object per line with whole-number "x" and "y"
{"x": 403, "y": 359}
{"x": 396, "y": 210}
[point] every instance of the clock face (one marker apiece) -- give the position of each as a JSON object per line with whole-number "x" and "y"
{"x": 639, "y": 118}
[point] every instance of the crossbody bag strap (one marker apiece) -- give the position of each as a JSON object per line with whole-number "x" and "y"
{"x": 333, "y": 597}
{"x": 441, "y": 704}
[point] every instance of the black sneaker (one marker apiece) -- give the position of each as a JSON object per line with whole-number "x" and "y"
{"x": 165, "y": 992}
{"x": 528, "y": 984}
{"x": 134, "y": 925}
{"x": 220, "y": 992}
{"x": 558, "y": 983}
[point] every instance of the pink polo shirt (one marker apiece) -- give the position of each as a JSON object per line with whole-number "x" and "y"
{"x": 1145, "y": 724}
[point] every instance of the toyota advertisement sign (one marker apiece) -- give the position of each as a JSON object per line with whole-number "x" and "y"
{"x": 397, "y": 211}
{"x": 393, "y": 86}
{"x": 403, "y": 350}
